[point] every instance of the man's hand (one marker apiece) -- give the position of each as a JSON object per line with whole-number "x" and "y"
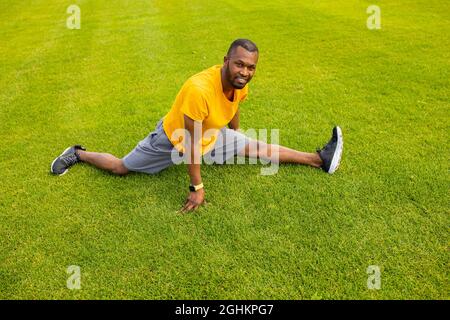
{"x": 194, "y": 200}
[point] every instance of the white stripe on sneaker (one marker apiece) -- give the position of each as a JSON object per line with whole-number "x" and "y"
{"x": 51, "y": 166}
{"x": 337, "y": 153}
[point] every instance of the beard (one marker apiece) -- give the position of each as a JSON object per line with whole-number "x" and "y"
{"x": 232, "y": 79}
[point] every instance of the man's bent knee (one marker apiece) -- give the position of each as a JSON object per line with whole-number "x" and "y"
{"x": 120, "y": 168}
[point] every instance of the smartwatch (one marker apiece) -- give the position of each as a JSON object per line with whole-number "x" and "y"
{"x": 193, "y": 188}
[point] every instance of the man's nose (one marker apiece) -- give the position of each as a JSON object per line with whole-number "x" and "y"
{"x": 244, "y": 72}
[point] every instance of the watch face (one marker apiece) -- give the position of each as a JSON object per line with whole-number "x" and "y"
{"x": 191, "y": 188}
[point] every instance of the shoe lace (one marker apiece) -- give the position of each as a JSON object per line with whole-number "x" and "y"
{"x": 324, "y": 148}
{"x": 70, "y": 160}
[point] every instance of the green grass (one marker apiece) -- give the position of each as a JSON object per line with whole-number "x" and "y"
{"x": 299, "y": 234}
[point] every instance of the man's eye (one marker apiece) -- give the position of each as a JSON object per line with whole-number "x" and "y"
{"x": 239, "y": 64}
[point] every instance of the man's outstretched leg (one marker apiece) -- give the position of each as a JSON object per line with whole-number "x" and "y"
{"x": 328, "y": 158}
{"x": 77, "y": 153}
{"x": 103, "y": 161}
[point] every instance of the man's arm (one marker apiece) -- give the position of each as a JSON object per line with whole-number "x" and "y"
{"x": 234, "y": 123}
{"x": 195, "y": 198}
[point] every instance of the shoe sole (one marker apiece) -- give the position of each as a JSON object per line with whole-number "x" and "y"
{"x": 337, "y": 153}
{"x": 51, "y": 166}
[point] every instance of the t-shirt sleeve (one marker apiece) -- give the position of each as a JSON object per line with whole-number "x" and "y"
{"x": 193, "y": 104}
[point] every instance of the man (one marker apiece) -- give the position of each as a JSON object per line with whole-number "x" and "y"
{"x": 210, "y": 101}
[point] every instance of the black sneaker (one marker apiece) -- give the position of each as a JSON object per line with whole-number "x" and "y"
{"x": 65, "y": 160}
{"x": 331, "y": 153}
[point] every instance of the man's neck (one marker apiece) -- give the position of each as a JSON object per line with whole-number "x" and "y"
{"x": 227, "y": 89}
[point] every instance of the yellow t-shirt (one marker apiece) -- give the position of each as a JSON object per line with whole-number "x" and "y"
{"x": 201, "y": 98}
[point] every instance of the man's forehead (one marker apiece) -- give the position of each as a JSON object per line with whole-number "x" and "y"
{"x": 244, "y": 55}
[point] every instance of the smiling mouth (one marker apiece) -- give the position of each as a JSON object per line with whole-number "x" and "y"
{"x": 241, "y": 80}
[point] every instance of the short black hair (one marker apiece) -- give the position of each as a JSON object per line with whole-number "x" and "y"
{"x": 244, "y": 43}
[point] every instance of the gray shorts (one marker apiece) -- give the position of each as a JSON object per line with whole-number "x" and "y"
{"x": 154, "y": 153}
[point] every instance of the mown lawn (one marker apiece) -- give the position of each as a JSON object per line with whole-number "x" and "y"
{"x": 299, "y": 234}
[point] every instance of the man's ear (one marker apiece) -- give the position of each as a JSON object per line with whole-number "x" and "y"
{"x": 225, "y": 59}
